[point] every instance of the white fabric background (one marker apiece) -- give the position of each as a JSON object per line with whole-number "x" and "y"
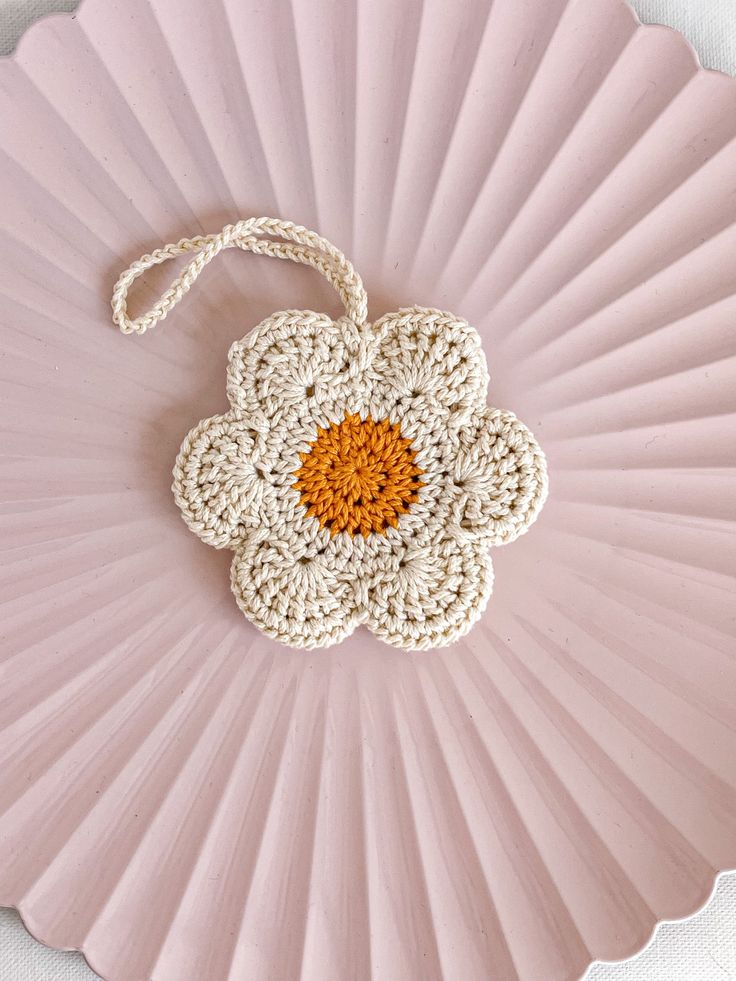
{"x": 700, "y": 949}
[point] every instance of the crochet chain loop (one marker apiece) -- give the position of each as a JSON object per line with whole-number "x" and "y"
{"x": 296, "y": 243}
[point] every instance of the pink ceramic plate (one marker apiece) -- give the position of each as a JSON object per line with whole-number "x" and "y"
{"x": 180, "y": 797}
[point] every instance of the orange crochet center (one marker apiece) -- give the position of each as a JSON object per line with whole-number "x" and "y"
{"x": 359, "y": 476}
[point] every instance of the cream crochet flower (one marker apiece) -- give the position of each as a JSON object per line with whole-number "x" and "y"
{"x": 359, "y": 477}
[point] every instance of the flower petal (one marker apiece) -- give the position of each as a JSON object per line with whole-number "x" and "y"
{"x": 498, "y": 478}
{"x": 218, "y": 483}
{"x": 294, "y": 360}
{"x": 429, "y": 360}
{"x": 295, "y": 589}
{"x": 427, "y": 596}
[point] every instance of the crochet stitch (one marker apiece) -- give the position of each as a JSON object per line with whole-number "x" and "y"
{"x": 359, "y": 477}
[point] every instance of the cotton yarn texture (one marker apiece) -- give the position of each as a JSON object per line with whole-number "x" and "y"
{"x": 702, "y": 949}
{"x": 359, "y": 477}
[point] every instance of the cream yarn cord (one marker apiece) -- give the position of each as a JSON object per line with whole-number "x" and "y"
{"x": 292, "y": 242}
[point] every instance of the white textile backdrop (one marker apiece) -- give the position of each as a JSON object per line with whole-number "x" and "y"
{"x": 700, "y": 949}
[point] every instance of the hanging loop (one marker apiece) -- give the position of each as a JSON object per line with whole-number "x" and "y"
{"x": 287, "y": 241}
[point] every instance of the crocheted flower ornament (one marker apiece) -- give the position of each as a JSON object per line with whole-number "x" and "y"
{"x": 359, "y": 477}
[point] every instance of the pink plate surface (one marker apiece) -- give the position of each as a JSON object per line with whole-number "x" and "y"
{"x": 181, "y": 798}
